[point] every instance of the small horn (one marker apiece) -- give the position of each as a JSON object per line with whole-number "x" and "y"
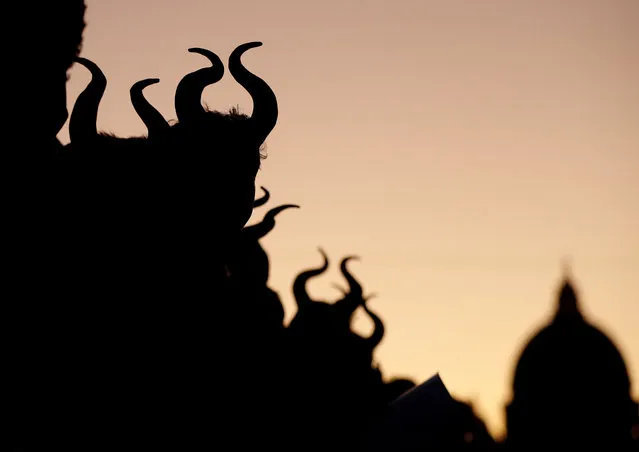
{"x": 265, "y": 112}
{"x": 351, "y": 300}
{"x": 152, "y": 118}
{"x": 259, "y": 230}
{"x": 299, "y": 285}
{"x": 263, "y": 200}
{"x": 355, "y": 288}
{"x": 84, "y": 117}
{"x": 188, "y": 96}
{"x": 378, "y": 332}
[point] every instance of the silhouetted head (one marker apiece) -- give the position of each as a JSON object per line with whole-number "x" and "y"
{"x": 207, "y": 157}
{"x": 37, "y": 87}
{"x": 231, "y": 142}
{"x": 332, "y": 321}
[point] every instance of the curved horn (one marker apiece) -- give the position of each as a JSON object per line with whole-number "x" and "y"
{"x": 378, "y": 332}
{"x": 84, "y": 117}
{"x": 354, "y": 297}
{"x": 355, "y": 289}
{"x": 265, "y": 111}
{"x": 188, "y": 96}
{"x": 299, "y": 286}
{"x": 259, "y": 230}
{"x": 153, "y": 119}
{"x": 263, "y": 200}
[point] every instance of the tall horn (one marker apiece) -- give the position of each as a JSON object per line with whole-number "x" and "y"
{"x": 84, "y": 117}
{"x": 188, "y": 96}
{"x": 259, "y": 230}
{"x": 265, "y": 110}
{"x": 354, "y": 297}
{"x": 153, "y": 119}
{"x": 263, "y": 200}
{"x": 299, "y": 286}
{"x": 355, "y": 289}
{"x": 378, "y": 332}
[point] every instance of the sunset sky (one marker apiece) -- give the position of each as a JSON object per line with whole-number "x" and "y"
{"x": 461, "y": 148}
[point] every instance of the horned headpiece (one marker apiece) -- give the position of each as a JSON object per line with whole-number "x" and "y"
{"x": 340, "y": 312}
{"x": 188, "y": 106}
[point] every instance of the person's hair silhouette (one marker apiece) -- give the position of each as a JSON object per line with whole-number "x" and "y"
{"x": 37, "y": 82}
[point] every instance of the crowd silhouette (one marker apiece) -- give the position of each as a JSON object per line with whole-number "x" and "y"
{"x": 138, "y": 313}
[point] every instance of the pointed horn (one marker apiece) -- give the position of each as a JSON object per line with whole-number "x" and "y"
{"x": 378, "y": 332}
{"x": 299, "y": 286}
{"x": 259, "y": 230}
{"x": 188, "y": 96}
{"x": 153, "y": 119}
{"x": 355, "y": 289}
{"x": 263, "y": 200}
{"x": 84, "y": 117}
{"x": 354, "y": 297}
{"x": 265, "y": 110}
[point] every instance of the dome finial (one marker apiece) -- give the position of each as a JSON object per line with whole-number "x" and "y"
{"x": 568, "y": 304}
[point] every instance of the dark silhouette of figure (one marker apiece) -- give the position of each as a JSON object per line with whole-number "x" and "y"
{"x": 35, "y": 87}
{"x": 117, "y": 255}
{"x": 259, "y": 335}
{"x": 176, "y": 169}
{"x": 249, "y": 269}
{"x": 571, "y": 388}
{"x": 337, "y": 391}
{"x": 163, "y": 216}
{"x": 40, "y": 50}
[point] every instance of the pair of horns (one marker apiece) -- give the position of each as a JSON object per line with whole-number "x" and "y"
{"x": 259, "y": 230}
{"x": 299, "y": 285}
{"x": 188, "y": 106}
{"x": 353, "y": 298}
{"x": 351, "y": 301}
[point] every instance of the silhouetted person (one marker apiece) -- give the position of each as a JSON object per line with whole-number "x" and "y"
{"x": 163, "y": 217}
{"x": 336, "y": 390}
{"x": 571, "y": 388}
{"x": 45, "y": 39}
{"x": 249, "y": 269}
{"x": 117, "y": 281}
{"x": 167, "y": 179}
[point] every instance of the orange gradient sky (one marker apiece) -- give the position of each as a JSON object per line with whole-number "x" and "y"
{"x": 461, "y": 148}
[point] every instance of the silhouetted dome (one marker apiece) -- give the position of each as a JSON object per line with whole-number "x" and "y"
{"x": 570, "y": 360}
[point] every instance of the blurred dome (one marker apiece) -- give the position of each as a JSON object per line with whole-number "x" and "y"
{"x": 571, "y": 360}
